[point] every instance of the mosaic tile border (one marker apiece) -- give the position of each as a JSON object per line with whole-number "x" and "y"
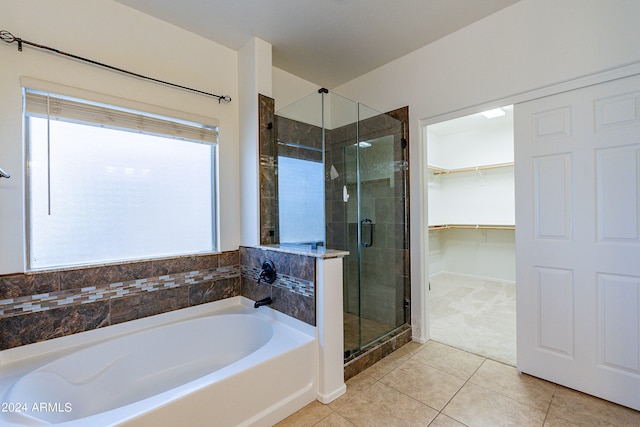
{"x": 46, "y": 301}
{"x": 292, "y": 284}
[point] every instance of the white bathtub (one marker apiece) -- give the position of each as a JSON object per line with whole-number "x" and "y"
{"x": 218, "y": 364}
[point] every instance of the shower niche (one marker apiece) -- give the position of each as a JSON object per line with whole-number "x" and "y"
{"x": 334, "y": 173}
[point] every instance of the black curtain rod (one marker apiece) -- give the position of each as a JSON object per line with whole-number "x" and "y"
{"x": 6, "y": 36}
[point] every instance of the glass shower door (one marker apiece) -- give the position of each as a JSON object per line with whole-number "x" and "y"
{"x": 362, "y": 158}
{"x": 376, "y": 217}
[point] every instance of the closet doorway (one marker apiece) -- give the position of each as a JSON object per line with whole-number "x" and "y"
{"x": 471, "y": 217}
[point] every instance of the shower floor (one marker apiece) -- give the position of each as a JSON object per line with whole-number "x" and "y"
{"x": 475, "y": 315}
{"x": 371, "y": 330}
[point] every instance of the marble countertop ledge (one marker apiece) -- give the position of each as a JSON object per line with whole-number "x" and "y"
{"x": 321, "y": 252}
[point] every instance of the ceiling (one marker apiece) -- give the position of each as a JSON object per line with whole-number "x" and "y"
{"x": 327, "y": 42}
{"x": 474, "y": 123}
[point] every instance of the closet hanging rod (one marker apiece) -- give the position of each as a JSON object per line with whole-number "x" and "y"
{"x": 7, "y": 37}
{"x": 441, "y": 171}
{"x": 472, "y": 227}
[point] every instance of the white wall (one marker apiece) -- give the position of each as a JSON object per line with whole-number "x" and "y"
{"x": 477, "y": 197}
{"x": 484, "y": 254}
{"x": 289, "y": 88}
{"x": 470, "y": 144}
{"x": 109, "y": 32}
{"x": 298, "y": 99}
{"x": 472, "y": 198}
{"x": 529, "y": 45}
{"x": 255, "y": 78}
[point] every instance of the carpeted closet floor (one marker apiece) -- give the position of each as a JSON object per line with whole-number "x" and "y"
{"x": 475, "y": 315}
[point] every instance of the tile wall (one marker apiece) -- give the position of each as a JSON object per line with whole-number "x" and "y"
{"x": 44, "y": 305}
{"x": 293, "y": 292}
{"x": 50, "y": 304}
{"x": 269, "y": 231}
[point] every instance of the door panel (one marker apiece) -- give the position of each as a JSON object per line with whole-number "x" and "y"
{"x": 577, "y": 158}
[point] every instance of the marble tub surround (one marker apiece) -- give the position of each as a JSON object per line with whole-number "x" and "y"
{"x": 293, "y": 291}
{"x": 49, "y": 304}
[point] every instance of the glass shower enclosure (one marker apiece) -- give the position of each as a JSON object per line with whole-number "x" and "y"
{"x": 342, "y": 182}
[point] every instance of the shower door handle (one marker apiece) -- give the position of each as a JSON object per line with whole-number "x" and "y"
{"x": 362, "y": 223}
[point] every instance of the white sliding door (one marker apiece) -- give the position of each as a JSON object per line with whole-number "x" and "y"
{"x": 577, "y": 157}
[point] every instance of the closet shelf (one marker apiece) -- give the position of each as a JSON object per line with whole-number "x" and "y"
{"x": 440, "y": 171}
{"x": 472, "y": 227}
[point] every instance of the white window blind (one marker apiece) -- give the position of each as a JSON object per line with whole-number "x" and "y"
{"x": 109, "y": 184}
{"x": 58, "y": 107}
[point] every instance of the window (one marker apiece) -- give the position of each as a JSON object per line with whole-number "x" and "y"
{"x": 109, "y": 184}
{"x": 300, "y": 200}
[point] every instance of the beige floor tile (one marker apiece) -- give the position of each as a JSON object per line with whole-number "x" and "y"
{"x": 449, "y": 359}
{"x": 553, "y": 421}
{"x": 381, "y": 405}
{"x": 584, "y": 410}
{"x": 409, "y": 349}
{"x": 384, "y": 366}
{"x": 505, "y": 380}
{"x": 355, "y": 385}
{"x": 429, "y": 385}
{"x": 478, "y": 406}
{"x": 444, "y": 421}
{"x": 334, "y": 420}
{"x": 308, "y": 416}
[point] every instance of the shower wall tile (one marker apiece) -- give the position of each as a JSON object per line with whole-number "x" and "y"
{"x": 300, "y": 133}
{"x": 268, "y": 157}
{"x": 266, "y": 124}
{"x": 398, "y": 239}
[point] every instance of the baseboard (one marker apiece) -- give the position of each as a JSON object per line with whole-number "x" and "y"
{"x": 471, "y": 276}
{"x": 328, "y": 398}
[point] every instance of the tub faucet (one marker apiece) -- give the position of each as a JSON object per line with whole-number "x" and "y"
{"x": 263, "y": 301}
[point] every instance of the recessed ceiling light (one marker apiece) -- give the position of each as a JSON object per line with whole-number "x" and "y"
{"x": 363, "y": 144}
{"x": 492, "y": 114}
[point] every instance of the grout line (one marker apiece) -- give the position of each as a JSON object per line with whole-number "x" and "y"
{"x": 546, "y": 415}
{"x": 456, "y": 393}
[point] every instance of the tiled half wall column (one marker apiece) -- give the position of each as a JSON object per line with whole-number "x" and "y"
{"x": 293, "y": 291}
{"x": 308, "y": 287}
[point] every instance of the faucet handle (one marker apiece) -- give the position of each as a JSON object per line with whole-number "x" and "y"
{"x": 268, "y": 273}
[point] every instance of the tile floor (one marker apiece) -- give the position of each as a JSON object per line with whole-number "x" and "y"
{"x": 436, "y": 385}
{"x": 475, "y": 315}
